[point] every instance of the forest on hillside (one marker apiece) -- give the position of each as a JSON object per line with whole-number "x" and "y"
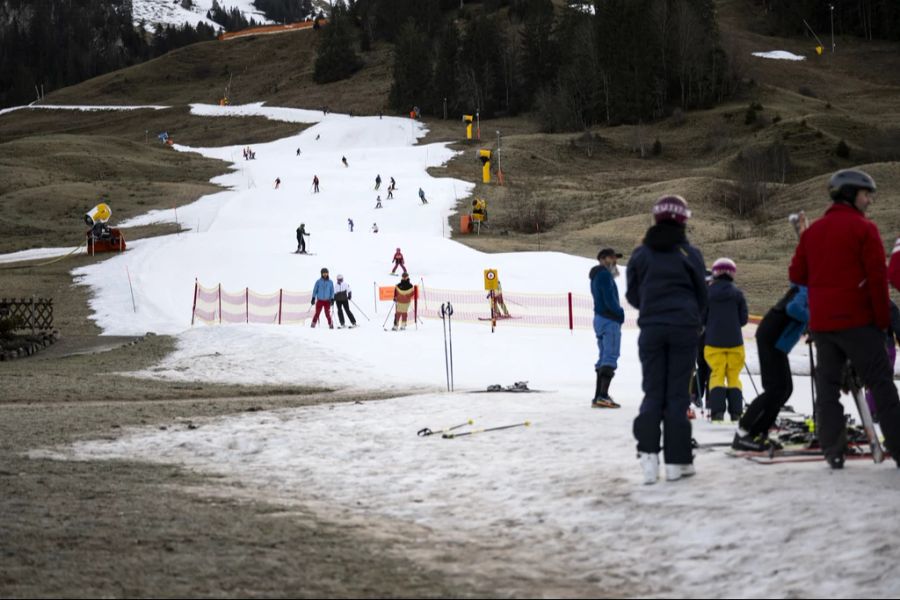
{"x": 577, "y": 65}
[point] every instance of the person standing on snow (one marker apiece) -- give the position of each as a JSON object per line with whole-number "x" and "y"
{"x": 277, "y": 182}
{"x": 378, "y": 202}
{"x": 778, "y": 332}
{"x": 323, "y": 298}
{"x": 724, "y": 350}
{"x": 342, "y": 297}
{"x": 666, "y": 283}
{"x": 315, "y": 184}
{"x": 608, "y": 319}
{"x": 344, "y": 160}
{"x": 350, "y": 225}
{"x": 301, "y": 241}
{"x": 422, "y": 196}
{"x": 840, "y": 259}
{"x": 374, "y": 227}
{"x": 404, "y": 293}
{"x": 377, "y": 181}
{"x": 398, "y": 262}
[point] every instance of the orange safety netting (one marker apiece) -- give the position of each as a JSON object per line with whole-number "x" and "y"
{"x": 216, "y": 305}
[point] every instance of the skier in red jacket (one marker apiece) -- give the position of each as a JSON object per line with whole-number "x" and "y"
{"x": 841, "y": 260}
{"x": 398, "y": 262}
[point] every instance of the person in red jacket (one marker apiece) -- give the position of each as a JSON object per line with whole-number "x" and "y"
{"x": 840, "y": 258}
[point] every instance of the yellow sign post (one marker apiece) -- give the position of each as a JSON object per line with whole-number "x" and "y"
{"x": 490, "y": 279}
{"x": 467, "y": 119}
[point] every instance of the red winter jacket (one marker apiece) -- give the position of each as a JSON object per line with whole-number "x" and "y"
{"x": 841, "y": 260}
{"x": 894, "y": 267}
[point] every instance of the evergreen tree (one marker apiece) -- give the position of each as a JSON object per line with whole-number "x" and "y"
{"x": 335, "y": 57}
{"x": 446, "y": 72}
{"x": 412, "y": 68}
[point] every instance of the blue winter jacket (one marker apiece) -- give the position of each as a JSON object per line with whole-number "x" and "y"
{"x": 606, "y": 294}
{"x": 666, "y": 279}
{"x": 323, "y": 290}
{"x": 726, "y": 314}
{"x": 798, "y": 311}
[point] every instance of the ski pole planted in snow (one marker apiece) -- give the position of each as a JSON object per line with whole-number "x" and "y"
{"x": 450, "y": 436}
{"x": 425, "y": 432}
{"x": 446, "y": 314}
{"x": 360, "y": 310}
{"x": 753, "y": 383}
{"x": 390, "y": 310}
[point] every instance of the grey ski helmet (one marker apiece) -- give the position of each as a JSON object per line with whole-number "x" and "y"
{"x": 844, "y": 184}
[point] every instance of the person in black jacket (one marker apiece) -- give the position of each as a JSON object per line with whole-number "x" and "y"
{"x": 724, "y": 349}
{"x": 666, "y": 284}
{"x": 301, "y": 239}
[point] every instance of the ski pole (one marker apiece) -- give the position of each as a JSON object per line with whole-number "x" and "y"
{"x": 390, "y": 310}
{"x": 450, "y": 337}
{"x": 444, "y": 327}
{"x": 360, "y": 310}
{"x": 425, "y": 432}
{"x": 812, "y": 377}
{"x": 746, "y": 368}
{"x": 450, "y": 436}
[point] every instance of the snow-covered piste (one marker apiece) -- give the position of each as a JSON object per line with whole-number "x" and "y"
{"x": 552, "y": 509}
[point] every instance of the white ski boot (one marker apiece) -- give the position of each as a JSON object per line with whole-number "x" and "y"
{"x": 650, "y": 466}
{"x": 394, "y": 328}
{"x": 676, "y": 472}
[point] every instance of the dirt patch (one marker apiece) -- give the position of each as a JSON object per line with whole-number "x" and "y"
{"x": 92, "y": 529}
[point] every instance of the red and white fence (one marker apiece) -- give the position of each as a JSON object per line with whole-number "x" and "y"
{"x": 561, "y": 311}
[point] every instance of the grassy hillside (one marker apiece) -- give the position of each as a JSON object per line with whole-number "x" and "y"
{"x": 584, "y": 190}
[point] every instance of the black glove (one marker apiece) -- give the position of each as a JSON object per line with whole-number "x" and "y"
{"x": 312, "y": 302}
{"x": 349, "y": 295}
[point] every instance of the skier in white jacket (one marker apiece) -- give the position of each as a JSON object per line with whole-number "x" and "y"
{"x": 342, "y": 297}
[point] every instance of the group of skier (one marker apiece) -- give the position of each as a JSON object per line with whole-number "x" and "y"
{"x": 838, "y": 293}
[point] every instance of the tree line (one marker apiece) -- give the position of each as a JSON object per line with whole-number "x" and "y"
{"x": 610, "y": 61}
{"x": 51, "y": 44}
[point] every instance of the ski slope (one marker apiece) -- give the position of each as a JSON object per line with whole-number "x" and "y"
{"x": 552, "y": 509}
{"x": 169, "y": 12}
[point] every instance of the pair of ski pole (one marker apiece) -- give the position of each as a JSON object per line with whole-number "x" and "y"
{"x": 447, "y": 323}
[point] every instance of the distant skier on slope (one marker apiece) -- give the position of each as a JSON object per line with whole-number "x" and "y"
{"x": 422, "y": 196}
{"x": 398, "y": 262}
{"x": 301, "y": 241}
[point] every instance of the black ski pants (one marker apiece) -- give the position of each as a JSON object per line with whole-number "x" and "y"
{"x": 344, "y": 305}
{"x": 775, "y": 373}
{"x": 864, "y": 347}
{"x": 667, "y": 355}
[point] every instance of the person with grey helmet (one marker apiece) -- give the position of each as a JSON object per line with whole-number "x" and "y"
{"x": 840, "y": 258}
{"x": 666, "y": 279}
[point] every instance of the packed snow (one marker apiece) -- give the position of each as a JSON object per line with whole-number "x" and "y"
{"x": 779, "y": 55}
{"x": 556, "y": 508}
{"x": 169, "y": 12}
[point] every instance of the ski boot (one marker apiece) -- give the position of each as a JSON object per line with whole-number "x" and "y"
{"x": 650, "y": 466}
{"x": 676, "y": 472}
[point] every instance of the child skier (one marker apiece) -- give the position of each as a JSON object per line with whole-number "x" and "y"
{"x": 404, "y": 292}
{"x": 724, "y": 349}
{"x": 398, "y": 262}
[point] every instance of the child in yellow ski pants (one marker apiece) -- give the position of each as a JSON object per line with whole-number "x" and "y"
{"x": 725, "y": 365}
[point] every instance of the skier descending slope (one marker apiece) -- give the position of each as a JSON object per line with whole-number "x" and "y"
{"x": 841, "y": 260}
{"x": 666, "y": 283}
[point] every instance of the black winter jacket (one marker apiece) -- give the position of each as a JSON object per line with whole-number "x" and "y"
{"x": 666, "y": 279}
{"x": 726, "y": 315}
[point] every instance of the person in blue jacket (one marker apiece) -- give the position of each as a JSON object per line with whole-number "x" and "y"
{"x": 777, "y": 333}
{"x": 666, "y": 283}
{"x": 608, "y": 319}
{"x": 323, "y": 298}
